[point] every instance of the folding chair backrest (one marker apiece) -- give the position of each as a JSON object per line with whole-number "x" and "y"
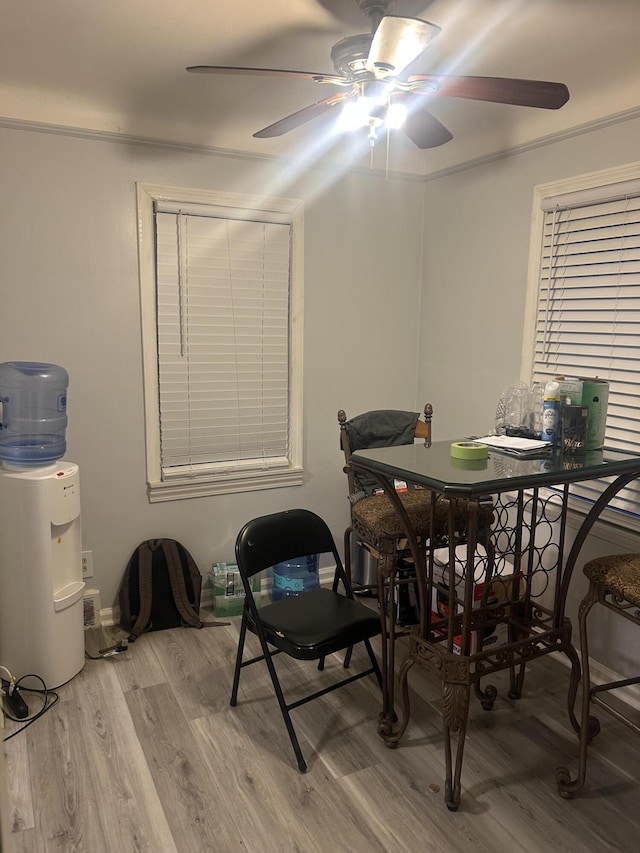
{"x": 280, "y": 537}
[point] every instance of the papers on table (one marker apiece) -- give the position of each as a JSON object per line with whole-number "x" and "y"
{"x": 522, "y": 447}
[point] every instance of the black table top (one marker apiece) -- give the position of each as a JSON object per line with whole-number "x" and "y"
{"x": 435, "y": 468}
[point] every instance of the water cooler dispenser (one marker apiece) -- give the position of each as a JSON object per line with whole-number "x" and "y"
{"x": 41, "y": 586}
{"x": 295, "y": 577}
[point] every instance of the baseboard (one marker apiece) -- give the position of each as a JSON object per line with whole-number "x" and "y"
{"x": 110, "y": 616}
{"x": 601, "y": 674}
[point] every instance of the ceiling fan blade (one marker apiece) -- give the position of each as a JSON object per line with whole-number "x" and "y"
{"x": 421, "y": 126}
{"x": 265, "y": 72}
{"x": 291, "y": 122}
{"x": 397, "y": 42}
{"x": 500, "y": 90}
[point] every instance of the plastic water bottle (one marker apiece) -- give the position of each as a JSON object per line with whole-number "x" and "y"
{"x": 550, "y": 411}
{"x": 295, "y": 577}
{"x": 33, "y": 413}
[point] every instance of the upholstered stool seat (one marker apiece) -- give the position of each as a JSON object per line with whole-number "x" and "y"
{"x": 618, "y": 574}
{"x": 376, "y": 521}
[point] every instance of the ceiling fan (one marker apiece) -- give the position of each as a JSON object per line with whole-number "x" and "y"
{"x": 376, "y": 86}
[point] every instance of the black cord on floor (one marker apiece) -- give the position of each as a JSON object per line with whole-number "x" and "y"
{"x": 111, "y": 651}
{"x": 50, "y": 698}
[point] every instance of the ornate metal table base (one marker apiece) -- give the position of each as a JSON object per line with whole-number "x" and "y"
{"x": 524, "y": 556}
{"x": 459, "y": 673}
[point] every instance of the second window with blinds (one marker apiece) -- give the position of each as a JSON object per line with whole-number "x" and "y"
{"x": 221, "y": 292}
{"x": 583, "y": 306}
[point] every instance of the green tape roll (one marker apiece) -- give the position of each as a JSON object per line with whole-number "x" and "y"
{"x": 469, "y": 464}
{"x": 469, "y": 450}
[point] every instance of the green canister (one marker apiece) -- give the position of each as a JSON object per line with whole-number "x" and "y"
{"x": 595, "y": 396}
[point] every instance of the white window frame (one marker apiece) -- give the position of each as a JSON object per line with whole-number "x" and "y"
{"x": 601, "y": 184}
{"x": 226, "y": 482}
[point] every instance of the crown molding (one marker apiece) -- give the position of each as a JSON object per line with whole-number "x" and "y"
{"x": 195, "y": 148}
{"x": 542, "y": 142}
{"x": 211, "y": 151}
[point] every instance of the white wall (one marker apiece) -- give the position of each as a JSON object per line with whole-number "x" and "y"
{"x": 477, "y": 231}
{"x": 70, "y": 296}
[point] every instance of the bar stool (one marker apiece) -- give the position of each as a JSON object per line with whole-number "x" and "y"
{"x": 614, "y": 581}
{"x": 375, "y": 521}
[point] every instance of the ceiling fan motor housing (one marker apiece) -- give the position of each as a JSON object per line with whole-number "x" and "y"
{"x": 349, "y": 56}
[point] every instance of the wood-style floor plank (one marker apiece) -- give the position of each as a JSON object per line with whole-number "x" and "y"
{"x": 144, "y": 753}
{"x": 18, "y": 780}
{"x": 186, "y": 787}
{"x": 88, "y": 779}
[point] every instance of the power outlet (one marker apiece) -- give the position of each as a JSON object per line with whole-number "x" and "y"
{"x": 87, "y": 564}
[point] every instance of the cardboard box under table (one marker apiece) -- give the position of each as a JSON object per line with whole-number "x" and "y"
{"x": 490, "y": 593}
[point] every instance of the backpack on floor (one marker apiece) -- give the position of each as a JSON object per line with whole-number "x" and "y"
{"x": 160, "y": 589}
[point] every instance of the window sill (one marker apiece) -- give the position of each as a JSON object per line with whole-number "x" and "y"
{"x": 175, "y": 490}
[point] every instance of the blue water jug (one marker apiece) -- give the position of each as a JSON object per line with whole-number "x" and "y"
{"x": 33, "y": 413}
{"x": 295, "y": 577}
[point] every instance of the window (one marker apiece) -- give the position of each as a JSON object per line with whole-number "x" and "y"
{"x": 583, "y": 309}
{"x": 221, "y": 287}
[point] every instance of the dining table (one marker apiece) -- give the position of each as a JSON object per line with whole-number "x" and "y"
{"x": 491, "y": 596}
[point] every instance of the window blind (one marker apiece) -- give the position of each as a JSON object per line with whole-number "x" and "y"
{"x": 223, "y": 341}
{"x": 588, "y": 317}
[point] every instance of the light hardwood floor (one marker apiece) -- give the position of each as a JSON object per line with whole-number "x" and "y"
{"x": 143, "y": 752}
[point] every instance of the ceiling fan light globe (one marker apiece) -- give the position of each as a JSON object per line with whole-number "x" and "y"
{"x": 355, "y": 114}
{"x": 396, "y": 116}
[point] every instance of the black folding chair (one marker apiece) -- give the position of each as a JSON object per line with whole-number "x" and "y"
{"x": 309, "y": 626}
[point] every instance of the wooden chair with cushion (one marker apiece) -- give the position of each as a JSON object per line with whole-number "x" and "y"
{"x": 377, "y": 524}
{"x": 614, "y": 582}
{"x": 373, "y": 517}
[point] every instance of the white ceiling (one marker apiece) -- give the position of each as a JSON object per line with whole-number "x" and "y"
{"x": 119, "y": 66}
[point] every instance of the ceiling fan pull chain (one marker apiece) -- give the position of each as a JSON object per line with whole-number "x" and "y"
{"x": 386, "y": 169}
